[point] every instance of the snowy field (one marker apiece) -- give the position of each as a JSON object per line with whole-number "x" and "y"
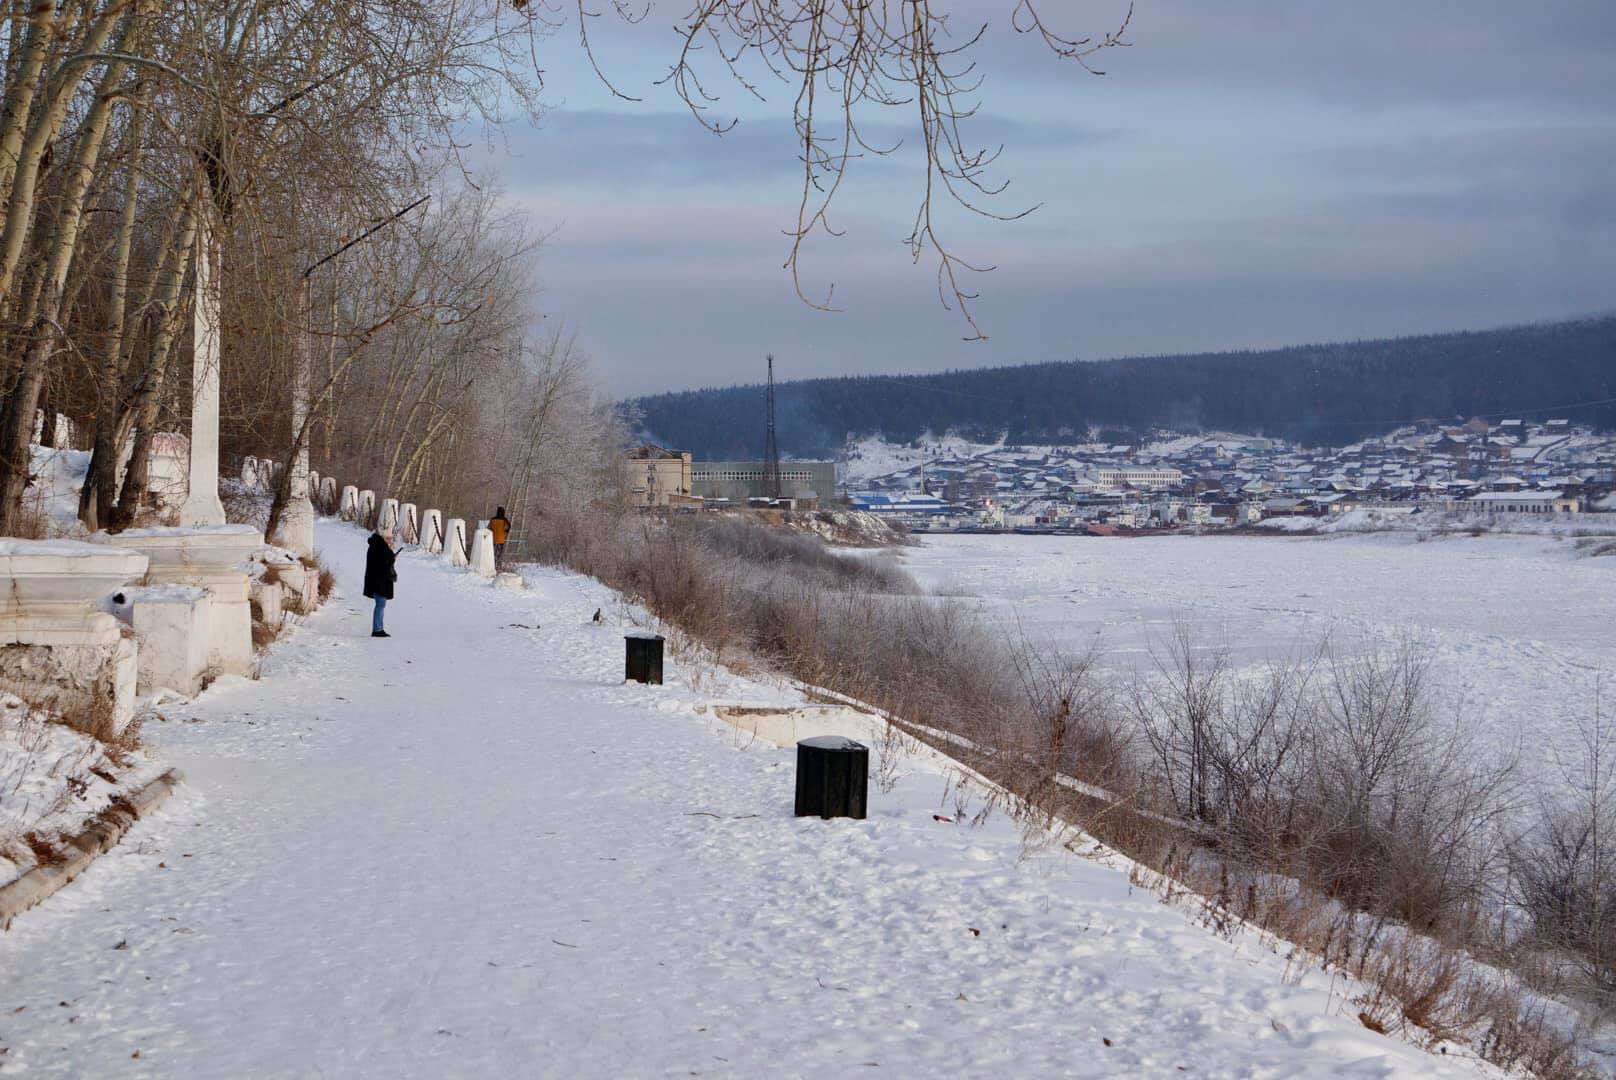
{"x": 473, "y": 851}
{"x": 1523, "y": 629}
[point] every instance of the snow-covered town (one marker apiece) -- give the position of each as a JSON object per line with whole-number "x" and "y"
{"x": 1510, "y": 467}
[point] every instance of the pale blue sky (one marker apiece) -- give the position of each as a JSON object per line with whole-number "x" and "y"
{"x": 1246, "y": 174}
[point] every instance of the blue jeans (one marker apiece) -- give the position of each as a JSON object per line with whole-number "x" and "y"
{"x": 376, "y": 619}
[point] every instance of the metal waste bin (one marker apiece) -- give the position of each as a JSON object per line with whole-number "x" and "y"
{"x": 833, "y": 777}
{"x": 643, "y": 658}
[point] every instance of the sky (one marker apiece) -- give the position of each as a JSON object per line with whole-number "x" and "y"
{"x": 1245, "y": 174}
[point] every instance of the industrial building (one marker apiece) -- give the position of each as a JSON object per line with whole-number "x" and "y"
{"x": 740, "y": 481}
{"x": 656, "y": 476}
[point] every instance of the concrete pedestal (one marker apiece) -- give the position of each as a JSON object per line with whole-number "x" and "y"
{"x": 348, "y": 509}
{"x": 509, "y": 580}
{"x": 455, "y": 548}
{"x": 482, "y": 554}
{"x": 328, "y": 494}
{"x": 297, "y": 526}
{"x": 267, "y": 599}
{"x": 210, "y": 559}
{"x": 432, "y": 531}
{"x": 409, "y": 524}
{"x": 55, "y": 638}
{"x": 387, "y": 516}
{"x": 300, "y": 584}
{"x": 171, "y": 623}
{"x": 367, "y": 508}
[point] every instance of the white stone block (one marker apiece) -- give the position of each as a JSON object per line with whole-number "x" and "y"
{"x": 367, "y": 506}
{"x": 266, "y": 602}
{"x": 454, "y": 542}
{"x": 509, "y": 580}
{"x": 348, "y": 510}
{"x": 328, "y": 492}
{"x": 409, "y": 524}
{"x": 54, "y": 592}
{"x": 171, "y": 624}
{"x": 301, "y": 584}
{"x": 432, "y": 531}
{"x": 212, "y": 559}
{"x": 249, "y": 471}
{"x": 482, "y": 554}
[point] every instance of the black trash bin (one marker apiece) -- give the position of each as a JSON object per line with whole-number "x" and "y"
{"x": 643, "y": 658}
{"x": 833, "y": 777}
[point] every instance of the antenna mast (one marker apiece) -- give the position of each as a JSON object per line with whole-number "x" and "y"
{"x": 771, "y": 449}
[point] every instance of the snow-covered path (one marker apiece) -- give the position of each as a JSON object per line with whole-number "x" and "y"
{"x": 471, "y": 851}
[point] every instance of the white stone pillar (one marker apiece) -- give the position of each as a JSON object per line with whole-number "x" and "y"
{"x": 367, "y": 506}
{"x": 202, "y": 505}
{"x": 409, "y": 524}
{"x": 349, "y": 508}
{"x": 432, "y": 532}
{"x": 454, "y": 542}
{"x": 388, "y": 518}
{"x": 297, "y": 520}
{"x": 249, "y": 472}
{"x": 482, "y": 553}
{"x": 328, "y": 492}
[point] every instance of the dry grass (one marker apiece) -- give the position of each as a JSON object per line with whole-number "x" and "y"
{"x": 1314, "y": 804}
{"x": 263, "y": 635}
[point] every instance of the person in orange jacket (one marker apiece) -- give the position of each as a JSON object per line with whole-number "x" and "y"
{"x": 500, "y": 526}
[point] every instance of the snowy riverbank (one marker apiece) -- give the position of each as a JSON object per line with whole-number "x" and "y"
{"x": 472, "y": 850}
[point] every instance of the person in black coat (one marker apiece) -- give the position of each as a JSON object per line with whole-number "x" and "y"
{"x": 379, "y": 576}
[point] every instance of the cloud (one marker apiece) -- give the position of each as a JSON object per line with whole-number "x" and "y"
{"x": 1247, "y": 174}
{"x": 640, "y": 148}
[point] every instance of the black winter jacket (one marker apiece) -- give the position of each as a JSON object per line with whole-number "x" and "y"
{"x": 379, "y": 574}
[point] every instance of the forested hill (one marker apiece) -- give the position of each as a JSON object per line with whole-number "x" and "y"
{"x": 1315, "y": 394}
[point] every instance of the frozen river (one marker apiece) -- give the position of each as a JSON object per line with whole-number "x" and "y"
{"x": 1523, "y": 629}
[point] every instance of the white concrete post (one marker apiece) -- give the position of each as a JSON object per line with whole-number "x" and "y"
{"x": 388, "y": 518}
{"x": 409, "y": 524}
{"x": 249, "y": 472}
{"x": 432, "y": 531}
{"x": 202, "y": 505}
{"x": 297, "y": 519}
{"x": 328, "y": 492}
{"x": 367, "y": 505}
{"x": 454, "y": 542}
{"x": 482, "y": 553}
{"x": 349, "y": 508}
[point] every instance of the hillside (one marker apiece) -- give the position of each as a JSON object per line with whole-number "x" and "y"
{"x": 1315, "y": 394}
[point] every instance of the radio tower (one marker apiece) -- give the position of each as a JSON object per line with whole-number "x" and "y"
{"x": 771, "y": 449}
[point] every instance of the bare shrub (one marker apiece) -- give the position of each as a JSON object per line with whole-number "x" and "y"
{"x": 1563, "y": 866}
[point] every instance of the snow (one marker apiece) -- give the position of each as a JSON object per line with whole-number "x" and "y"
{"x": 53, "y": 779}
{"x": 194, "y": 530}
{"x": 473, "y": 850}
{"x": 1519, "y": 649}
{"x": 58, "y": 476}
{"x": 73, "y": 549}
